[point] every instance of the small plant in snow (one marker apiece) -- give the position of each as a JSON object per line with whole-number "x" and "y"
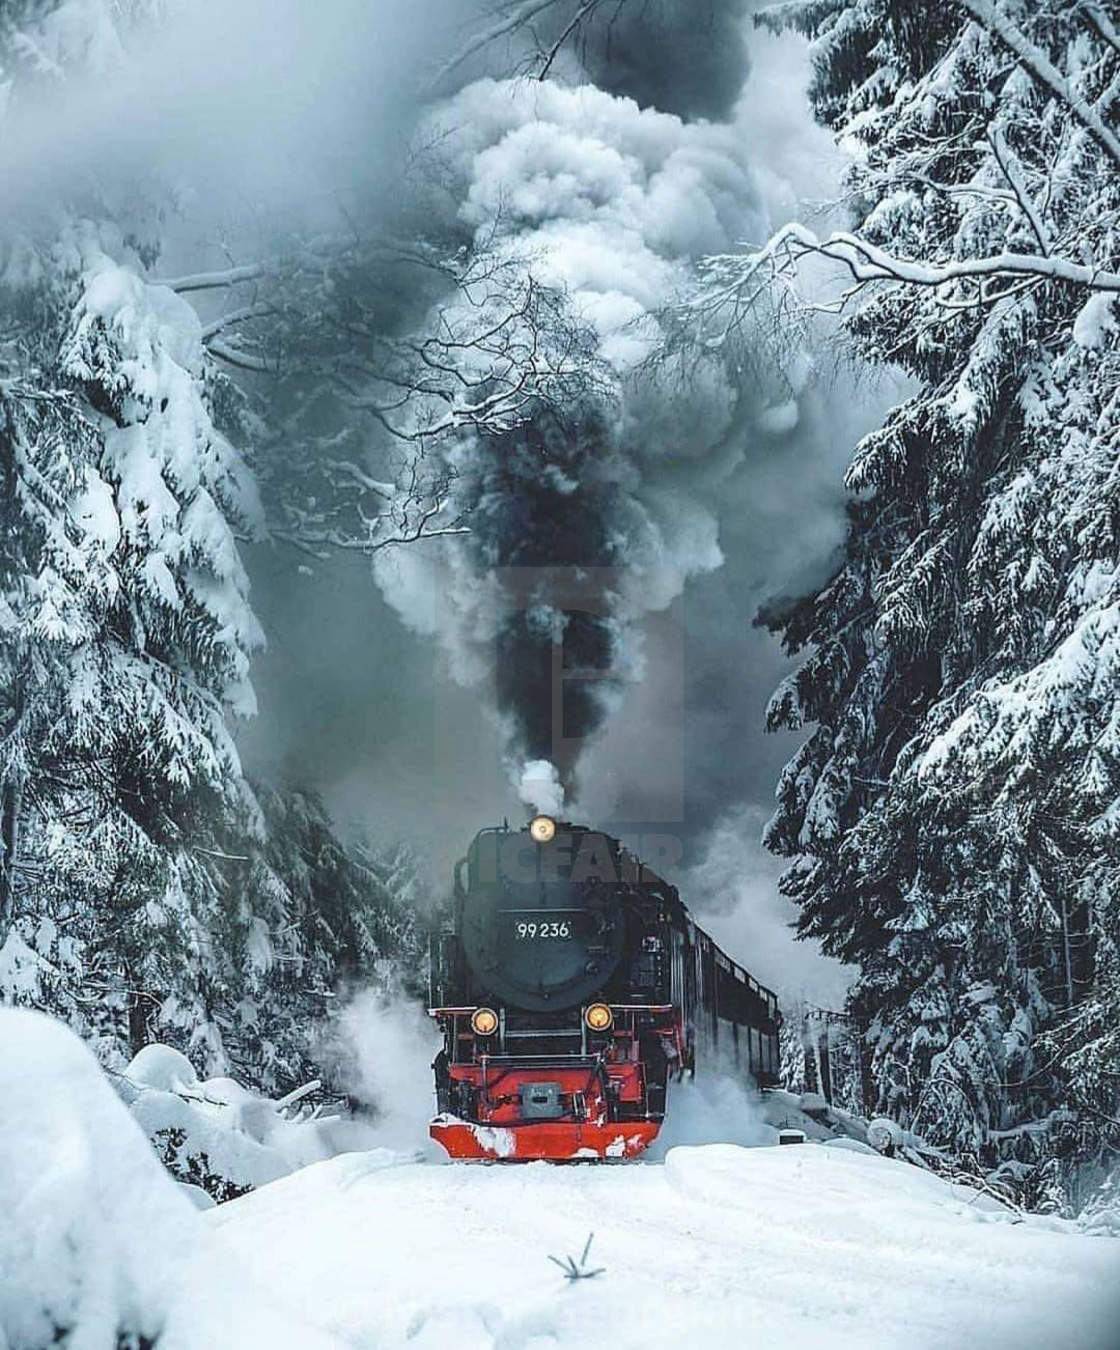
{"x": 578, "y": 1270}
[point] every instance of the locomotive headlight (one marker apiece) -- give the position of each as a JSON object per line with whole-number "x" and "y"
{"x": 598, "y": 1017}
{"x": 484, "y": 1021}
{"x": 542, "y": 828}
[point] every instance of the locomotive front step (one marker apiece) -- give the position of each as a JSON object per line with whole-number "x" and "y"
{"x": 556, "y": 1141}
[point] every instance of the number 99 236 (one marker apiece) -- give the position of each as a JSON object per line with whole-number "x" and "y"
{"x": 532, "y": 931}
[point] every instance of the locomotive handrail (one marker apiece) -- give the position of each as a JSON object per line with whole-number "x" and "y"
{"x": 543, "y": 1061}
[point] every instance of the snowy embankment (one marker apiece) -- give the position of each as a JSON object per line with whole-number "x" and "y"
{"x": 719, "y": 1245}
{"x": 99, "y": 1247}
{"x": 221, "y": 1140}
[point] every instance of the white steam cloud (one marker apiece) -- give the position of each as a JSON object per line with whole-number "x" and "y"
{"x": 540, "y": 787}
{"x": 384, "y": 1046}
{"x": 715, "y": 1108}
{"x": 733, "y": 890}
{"x": 609, "y": 204}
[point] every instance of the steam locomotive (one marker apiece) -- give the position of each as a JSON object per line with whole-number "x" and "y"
{"x": 572, "y": 987}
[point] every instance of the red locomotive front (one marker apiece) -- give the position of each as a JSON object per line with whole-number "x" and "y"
{"x": 571, "y": 985}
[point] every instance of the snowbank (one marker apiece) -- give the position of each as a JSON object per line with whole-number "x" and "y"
{"x": 97, "y": 1242}
{"x": 217, "y": 1136}
{"x": 772, "y": 1248}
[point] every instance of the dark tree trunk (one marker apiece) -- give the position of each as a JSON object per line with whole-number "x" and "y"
{"x": 9, "y": 838}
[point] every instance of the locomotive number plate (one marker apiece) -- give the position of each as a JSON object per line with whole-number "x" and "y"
{"x": 530, "y": 930}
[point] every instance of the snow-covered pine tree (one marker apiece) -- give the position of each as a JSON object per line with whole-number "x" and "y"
{"x": 955, "y": 814}
{"x": 142, "y": 892}
{"x": 128, "y": 634}
{"x": 324, "y": 918}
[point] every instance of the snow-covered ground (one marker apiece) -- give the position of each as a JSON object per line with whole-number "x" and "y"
{"x": 813, "y": 1245}
{"x": 804, "y": 1246}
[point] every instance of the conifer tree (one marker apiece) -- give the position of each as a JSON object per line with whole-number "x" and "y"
{"x": 954, "y": 815}
{"x": 144, "y": 894}
{"x": 128, "y": 636}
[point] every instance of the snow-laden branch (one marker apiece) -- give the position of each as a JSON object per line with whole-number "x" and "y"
{"x": 242, "y": 360}
{"x": 1100, "y": 21}
{"x": 235, "y": 316}
{"x": 1012, "y": 171}
{"x": 298, "y": 1094}
{"x": 321, "y": 543}
{"x": 867, "y": 263}
{"x": 211, "y": 281}
{"x": 1034, "y": 60}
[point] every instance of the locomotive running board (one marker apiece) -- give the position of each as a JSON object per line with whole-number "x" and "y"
{"x": 551, "y": 1141}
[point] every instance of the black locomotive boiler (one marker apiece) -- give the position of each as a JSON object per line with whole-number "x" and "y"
{"x": 573, "y": 987}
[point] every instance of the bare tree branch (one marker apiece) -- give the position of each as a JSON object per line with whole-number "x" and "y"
{"x": 573, "y": 23}
{"x": 495, "y": 348}
{"x": 516, "y": 18}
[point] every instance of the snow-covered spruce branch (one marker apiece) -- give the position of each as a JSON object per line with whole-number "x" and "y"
{"x": 1098, "y": 20}
{"x": 1035, "y": 61}
{"x": 1012, "y": 171}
